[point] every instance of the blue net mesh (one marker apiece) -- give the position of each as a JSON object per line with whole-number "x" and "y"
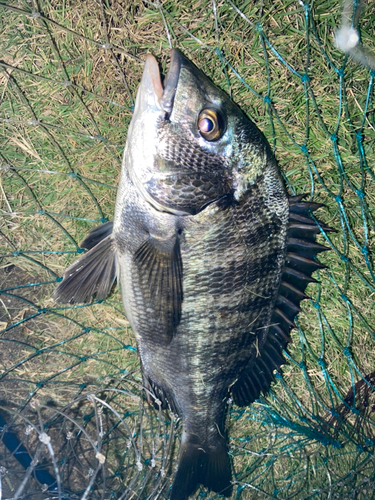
{"x": 73, "y": 420}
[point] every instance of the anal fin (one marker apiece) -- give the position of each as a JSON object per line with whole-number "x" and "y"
{"x": 159, "y": 397}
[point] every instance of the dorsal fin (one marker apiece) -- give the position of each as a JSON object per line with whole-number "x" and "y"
{"x": 300, "y": 263}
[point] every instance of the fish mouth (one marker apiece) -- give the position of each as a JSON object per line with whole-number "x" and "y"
{"x": 165, "y": 94}
{"x": 154, "y": 102}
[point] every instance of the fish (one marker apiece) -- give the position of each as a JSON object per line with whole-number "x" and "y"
{"x": 213, "y": 257}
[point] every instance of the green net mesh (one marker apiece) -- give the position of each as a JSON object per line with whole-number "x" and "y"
{"x": 73, "y": 420}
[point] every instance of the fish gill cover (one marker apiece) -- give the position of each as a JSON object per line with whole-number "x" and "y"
{"x": 73, "y": 419}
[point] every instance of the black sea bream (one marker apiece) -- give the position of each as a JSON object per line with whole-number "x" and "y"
{"x": 212, "y": 256}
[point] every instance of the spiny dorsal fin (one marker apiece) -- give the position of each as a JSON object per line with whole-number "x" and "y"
{"x": 300, "y": 263}
{"x": 159, "y": 266}
{"x": 93, "y": 274}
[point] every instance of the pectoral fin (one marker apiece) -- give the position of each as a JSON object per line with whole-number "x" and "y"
{"x": 159, "y": 266}
{"x": 93, "y": 274}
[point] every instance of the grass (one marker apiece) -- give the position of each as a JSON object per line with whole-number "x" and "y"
{"x": 66, "y": 103}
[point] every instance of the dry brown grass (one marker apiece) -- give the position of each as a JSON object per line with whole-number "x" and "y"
{"x": 65, "y": 105}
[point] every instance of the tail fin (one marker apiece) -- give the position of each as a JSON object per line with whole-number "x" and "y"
{"x": 209, "y": 466}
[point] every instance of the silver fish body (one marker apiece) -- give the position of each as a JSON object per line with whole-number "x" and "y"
{"x": 212, "y": 256}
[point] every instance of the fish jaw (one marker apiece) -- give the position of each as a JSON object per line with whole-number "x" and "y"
{"x": 152, "y": 96}
{"x": 165, "y": 122}
{"x": 153, "y": 106}
{"x": 142, "y": 140}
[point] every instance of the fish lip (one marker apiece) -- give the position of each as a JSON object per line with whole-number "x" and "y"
{"x": 151, "y": 75}
{"x": 171, "y": 81}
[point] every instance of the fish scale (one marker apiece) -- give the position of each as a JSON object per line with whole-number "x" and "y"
{"x": 181, "y": 189}
{"x": 213, "y": 259}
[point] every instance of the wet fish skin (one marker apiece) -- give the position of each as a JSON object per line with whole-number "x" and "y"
{"x": 223, "y": 207}
{"x": 200, "y": 246}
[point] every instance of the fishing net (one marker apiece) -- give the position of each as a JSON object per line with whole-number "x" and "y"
{"x": 73, "y": 419}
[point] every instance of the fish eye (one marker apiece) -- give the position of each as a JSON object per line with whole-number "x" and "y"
{"x": 211, "y": 124}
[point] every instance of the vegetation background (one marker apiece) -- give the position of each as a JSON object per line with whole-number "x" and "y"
{"x": 70, "y": 387}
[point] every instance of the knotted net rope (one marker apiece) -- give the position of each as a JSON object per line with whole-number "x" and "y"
{"x": 74, "y": 423}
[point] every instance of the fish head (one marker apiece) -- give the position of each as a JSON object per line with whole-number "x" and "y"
{"x": 188, "y": 144}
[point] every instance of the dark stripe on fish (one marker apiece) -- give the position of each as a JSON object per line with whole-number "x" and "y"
{"x": 221, "y": 278}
